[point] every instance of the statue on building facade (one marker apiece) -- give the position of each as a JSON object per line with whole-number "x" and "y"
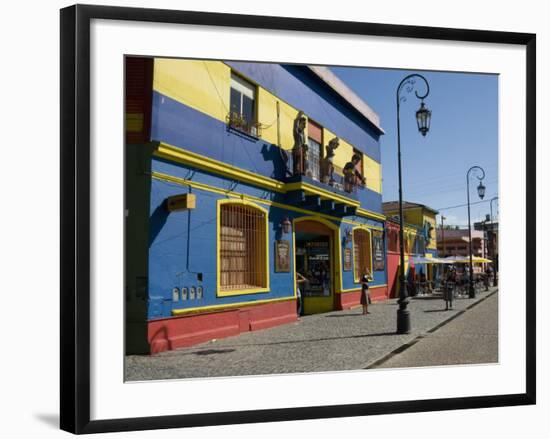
{"x": 299, "y": 151}
{"x": 327, "y": 165}
{"x": 351, "y": 174}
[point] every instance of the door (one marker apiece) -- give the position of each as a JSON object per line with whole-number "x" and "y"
{"x": 314, "y": 261}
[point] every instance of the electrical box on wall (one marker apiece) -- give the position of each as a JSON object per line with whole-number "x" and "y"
{"x": 181, "y": 202}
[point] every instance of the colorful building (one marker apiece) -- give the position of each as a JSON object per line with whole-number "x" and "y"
{"x": 241, "y": 178}
{"x": 456, "y": 242}
{"x": 420, "y": 241}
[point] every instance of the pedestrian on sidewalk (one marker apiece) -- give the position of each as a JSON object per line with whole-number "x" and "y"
{"x": 448, "y": 291}
{"x": 488, "y": 277}
{"x": 301, "y": 282}
{"x": 365, "y": 295}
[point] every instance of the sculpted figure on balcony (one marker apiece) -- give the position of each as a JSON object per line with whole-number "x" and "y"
{"x": 351, "y": 174}
{"x": 299, "y": 151}
{"x": 327, "y": 165}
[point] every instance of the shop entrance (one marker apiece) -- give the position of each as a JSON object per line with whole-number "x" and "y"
{"x": 314, "y": 261}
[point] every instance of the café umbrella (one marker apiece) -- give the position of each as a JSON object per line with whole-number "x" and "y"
{"x": 466, "y": 260}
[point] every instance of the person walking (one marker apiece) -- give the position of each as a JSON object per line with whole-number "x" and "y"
{"x": 488, "y": 277}
{"x": 448, "y": 291}
{"x": 300, "y": 281}
{"x": 365, "y": 295}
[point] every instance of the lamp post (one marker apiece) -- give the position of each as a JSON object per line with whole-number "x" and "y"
{"x": 493, "y": 249}
{"x": 443, "y": 234}
{"x": 423, "y": 116}
{"x": 481, "y": 194}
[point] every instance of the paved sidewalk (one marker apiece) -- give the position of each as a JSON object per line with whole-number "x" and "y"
{"x": 470, "y": 338}
{"x": 339, "y": 340}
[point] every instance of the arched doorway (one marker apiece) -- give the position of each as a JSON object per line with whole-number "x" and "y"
{"x": 315, "y": 249}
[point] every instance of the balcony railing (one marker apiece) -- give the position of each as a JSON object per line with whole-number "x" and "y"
{"x": 238, "y": 123}
{"x": 332, "y": 175}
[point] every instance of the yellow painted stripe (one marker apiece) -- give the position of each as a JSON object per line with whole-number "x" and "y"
{"x": 208, "y": 164}
{"x": 371, "y": 287}
{"x": 370, "y": 214}
{"x": 241, "y": 196}
{"x": 229, "y": 306}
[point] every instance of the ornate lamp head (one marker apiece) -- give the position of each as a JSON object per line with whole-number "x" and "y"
{"x": 481, "y": 190}
{"x": 423, "y": 119}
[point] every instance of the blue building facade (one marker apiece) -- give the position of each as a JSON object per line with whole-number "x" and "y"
{"x": 253, "y": 195}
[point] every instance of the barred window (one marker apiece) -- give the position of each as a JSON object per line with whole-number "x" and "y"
{"x": 361, "y": 253}
{"x": 393, "y": 240}
{"x": 243, "y": 258}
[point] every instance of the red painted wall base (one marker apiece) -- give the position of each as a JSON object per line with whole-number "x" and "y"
{"x": 189, "y": 330}
{"x": 352, "y": 299}
{"x": 392, "y": 264}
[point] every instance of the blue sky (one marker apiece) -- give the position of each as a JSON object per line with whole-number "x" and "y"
{"x": 463, "y": 133}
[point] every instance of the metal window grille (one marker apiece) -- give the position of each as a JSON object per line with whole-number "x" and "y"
{"x": 393, "y": 240}
{"x": 362, "y": 252}
{"x": 242, "y": 248}
{"x": 314, "y": 159}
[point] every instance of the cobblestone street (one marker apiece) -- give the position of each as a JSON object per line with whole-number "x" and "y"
{"x": 339, "y": 340}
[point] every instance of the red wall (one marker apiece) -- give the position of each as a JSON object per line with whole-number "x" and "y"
{"x": 392, "y": 261}
{"x": 188, "y": 330}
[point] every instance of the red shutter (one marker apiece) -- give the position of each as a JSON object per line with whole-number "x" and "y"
{"x": 315, "y": 132}
{"x": 138, "y": 94}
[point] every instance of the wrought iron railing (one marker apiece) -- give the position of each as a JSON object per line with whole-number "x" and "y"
{"x": 239, "y": 123}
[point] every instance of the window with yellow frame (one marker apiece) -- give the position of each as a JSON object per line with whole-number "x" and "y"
{"x": 242, "y": 249}
{"x": 362, "y": 253}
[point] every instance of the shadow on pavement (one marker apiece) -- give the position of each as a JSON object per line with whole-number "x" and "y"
{"x": 213, "y": 351}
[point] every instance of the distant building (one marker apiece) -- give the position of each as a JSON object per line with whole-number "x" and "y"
{"x": 455, "y": 242}
{"x": 491, "y": 239}
{"x": 420, "y": 240}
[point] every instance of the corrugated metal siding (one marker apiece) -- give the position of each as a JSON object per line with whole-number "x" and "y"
{"x": 138, "y": 95}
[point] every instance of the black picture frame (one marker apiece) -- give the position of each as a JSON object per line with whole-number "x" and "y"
{"x": 75, "y": 218}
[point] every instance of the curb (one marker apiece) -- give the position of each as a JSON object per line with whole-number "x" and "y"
{"x": 419, "y": 337}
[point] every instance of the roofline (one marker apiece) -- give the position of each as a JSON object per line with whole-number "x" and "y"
{"x": 409, "y": 225}
{"x": 336, "y": 84}
{"x": 412, "y": 207}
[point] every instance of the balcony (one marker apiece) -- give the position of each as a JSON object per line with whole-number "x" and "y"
{"x": 322, "y": 187}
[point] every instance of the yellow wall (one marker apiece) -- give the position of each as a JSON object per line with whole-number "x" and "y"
{"x": 373, "y": 173}
{"x": 343, "y": 153}
{"x": 372, "y": 170}
{"x": 202, "y": 85}
{"x": 414, "y": 216}
{"x": 267, "y": 116}
{"x": 418, "y": 216}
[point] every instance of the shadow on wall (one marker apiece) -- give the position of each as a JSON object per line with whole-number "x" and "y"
{"x": 276, "y": 155}
{"x": 157, "y": 221}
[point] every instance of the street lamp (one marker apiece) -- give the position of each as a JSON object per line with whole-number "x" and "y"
{"x": 493, "y": 250}
{"x": 481, "y": 194}
{"x": 443, "y": 234}
{"x": 423, "y": 117}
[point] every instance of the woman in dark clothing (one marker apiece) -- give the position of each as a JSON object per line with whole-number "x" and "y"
{"x": 365, "y": 296}
{"x": 448, "y": 292}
